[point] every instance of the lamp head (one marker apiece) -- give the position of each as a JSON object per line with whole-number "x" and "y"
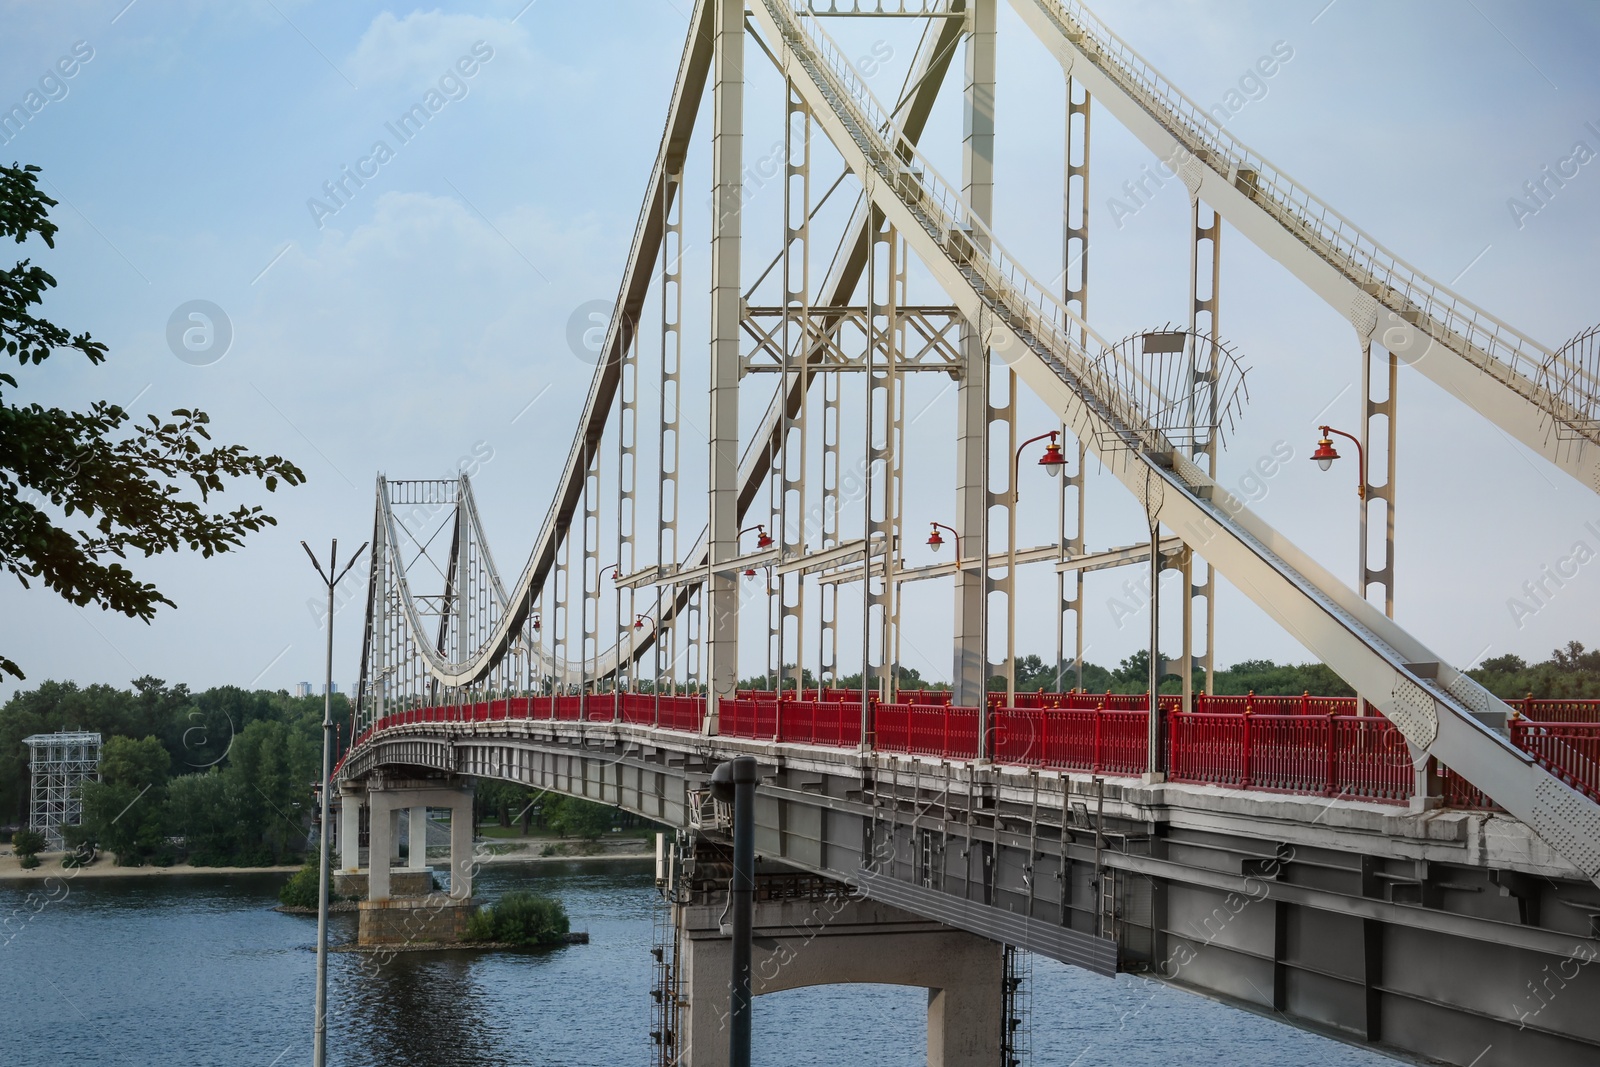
{"x": 935, "y": 542}
{"x": 1053, "y": 461}
{"x": 1325, "y": 453}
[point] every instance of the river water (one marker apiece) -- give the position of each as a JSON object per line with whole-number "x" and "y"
{"x": 197, "y": 969}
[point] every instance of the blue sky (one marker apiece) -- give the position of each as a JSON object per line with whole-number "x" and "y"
{"x": 414, "y": 324}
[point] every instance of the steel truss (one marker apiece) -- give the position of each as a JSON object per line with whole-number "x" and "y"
{"x": 1153, "y": 414}
{"x": 60, "y": 764}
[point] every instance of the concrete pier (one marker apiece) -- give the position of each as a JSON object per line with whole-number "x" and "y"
{"x": 842, "y": 939}
{"x": 400, "y": 904}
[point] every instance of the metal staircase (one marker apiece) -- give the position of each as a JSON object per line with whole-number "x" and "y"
{"x": 1547, "y": 399}
{"x": 1441, "y": 711}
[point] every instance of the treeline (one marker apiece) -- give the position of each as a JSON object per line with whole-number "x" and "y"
{"x": 1571, "y": 673}
{"x": 512, "y": 805}
{"x": 221, "y": 777}
{"x": 224, "y": 776}
{"x": 1132, "y": 675}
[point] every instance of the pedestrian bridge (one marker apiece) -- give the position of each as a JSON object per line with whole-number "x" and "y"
{"x": 1415, "y": 871}
{"x": 1285, "y": 865}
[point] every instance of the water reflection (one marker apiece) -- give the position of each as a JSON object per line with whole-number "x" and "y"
{"x": 157, "y": 971}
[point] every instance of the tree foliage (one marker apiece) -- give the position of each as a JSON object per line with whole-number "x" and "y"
{"x": 27, "y": 843}
{"x": 574, "y": 817}
{"x": 224, "y": 775}
{"x": 81, "y": 490}
{"x": 125, "y": 811}
{"x": 520, "y": 918}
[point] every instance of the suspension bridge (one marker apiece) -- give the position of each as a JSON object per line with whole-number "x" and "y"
{"x": 1413, "y": 869}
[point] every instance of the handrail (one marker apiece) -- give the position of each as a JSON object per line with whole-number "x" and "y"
{"x": 1472, "y": 332}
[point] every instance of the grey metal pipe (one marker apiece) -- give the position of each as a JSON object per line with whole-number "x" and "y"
{"x": 738, "y": 777}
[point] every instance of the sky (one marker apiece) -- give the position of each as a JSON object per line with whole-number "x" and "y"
{"x": 425, "y": 316}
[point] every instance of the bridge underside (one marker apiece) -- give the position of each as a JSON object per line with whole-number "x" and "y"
{"x": 1455, "y": 936}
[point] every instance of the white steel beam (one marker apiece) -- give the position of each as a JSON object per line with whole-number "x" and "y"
{"x": 1439, "y": 710}
{"x": 1485, "y": 363}
{"x": 727, "y": 306}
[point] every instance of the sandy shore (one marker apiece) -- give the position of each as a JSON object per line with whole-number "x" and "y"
{"x": 50, "y": 867}
{"x": 531, "y": 856}
{"x": 50, "y": 864}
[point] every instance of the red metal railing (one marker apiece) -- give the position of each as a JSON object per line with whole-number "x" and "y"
{"x": 819, "y": 722}
{"x": 685, "y": 713}
{"x": 748, "y": 718}
{"x": 1557, "y": 710}
{"x": 946, "y": 731}
{"x": 1348, "y": 756}
{"x": 1097, "y": 741}
{"x": 1568, "y": 750}
{"x": 1460, "y": 793}
{"x": 1303, "y": 744}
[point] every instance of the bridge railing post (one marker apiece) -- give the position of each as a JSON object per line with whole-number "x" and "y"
{"x": 1246, "y": 763}
{"x": 1331, "y": 763}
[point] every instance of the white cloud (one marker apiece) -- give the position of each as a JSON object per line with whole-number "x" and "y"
{"x": 413, "y": 52}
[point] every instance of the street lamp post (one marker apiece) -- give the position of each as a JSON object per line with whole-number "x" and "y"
{"x": 1324, "y": 457}
{"x": 319, "y": 1047}
{"x": 1053, "y": 463}
{"x": 936, "y": 542}
{"x": 633, "y": 650}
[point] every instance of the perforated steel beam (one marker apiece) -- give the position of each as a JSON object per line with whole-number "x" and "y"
{"x": 1485, "y": 363}
{"x": 1441, "y": 711}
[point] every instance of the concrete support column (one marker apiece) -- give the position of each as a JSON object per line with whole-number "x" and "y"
{"x": 379, "y": 847}
{"x": 418, "y": 836}
{"x": 394, "y": 836}
{"x": 461, "y": 861}
{"x": 1427, "y": 790}
{"x": 350, "y": 801}
{"x": 831, "y": 941}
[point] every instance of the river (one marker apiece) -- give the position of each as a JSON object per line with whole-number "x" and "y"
{"x": 197, "y": 969}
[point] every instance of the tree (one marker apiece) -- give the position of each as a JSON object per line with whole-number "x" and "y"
{"x": 125, "y": 811}
{"x": 520, "y": 918}
{"x": 578, "y": 818}
{"x": 79, "y": 490}
{"x": 27, "y": 844}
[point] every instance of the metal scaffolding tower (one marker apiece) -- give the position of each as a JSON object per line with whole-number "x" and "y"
{"x": 61, "y": 763}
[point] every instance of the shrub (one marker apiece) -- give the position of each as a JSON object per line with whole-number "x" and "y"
{"x": 300, "y": 891}
{"x": 520, "y": 918}
{"x": 27, "y": 843}
{"x": 29, "y": 861}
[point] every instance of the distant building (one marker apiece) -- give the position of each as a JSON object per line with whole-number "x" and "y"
{"x": 302, "y": 689}
{"x": 335, "y": 686}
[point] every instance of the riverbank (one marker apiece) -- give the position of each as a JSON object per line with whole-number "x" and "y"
{"x": 11, "y": 868}
{"x": 50, "y": 867}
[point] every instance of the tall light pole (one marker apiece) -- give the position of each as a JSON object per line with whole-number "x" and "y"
{"x": 319, "y": 1047}
{"x": 1324, "y": 457}
{"x": 1052, "y": 463}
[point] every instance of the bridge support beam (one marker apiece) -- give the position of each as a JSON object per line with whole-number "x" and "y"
{"x": 417, "y": 837}
{"x": 352, "y": 798}
{"x": 805, "y": 942}
{"x": 387, "y": 801}
{"x": 401, "y": 906}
